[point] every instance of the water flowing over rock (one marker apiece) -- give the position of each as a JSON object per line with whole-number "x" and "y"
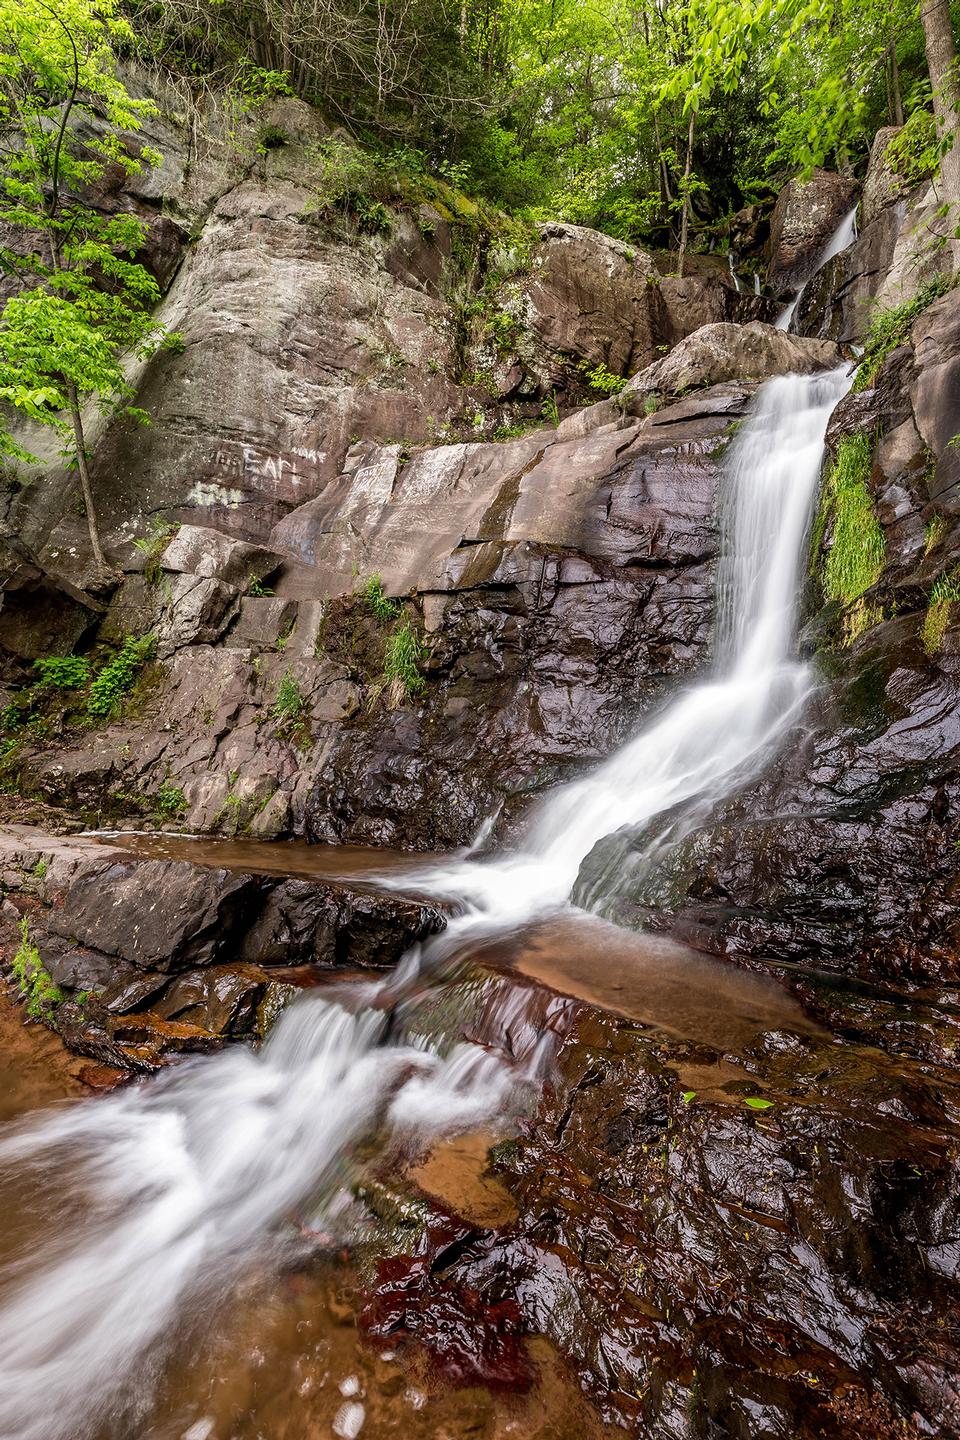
{"x": 805, "y": 215}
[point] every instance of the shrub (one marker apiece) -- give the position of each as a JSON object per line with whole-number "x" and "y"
{"x": 117, "y": 678}
{"x": 169, "y": 800}
{"x": 914, "y": 154}
{"x": 891, "y": 328}
{"x": 62, "y": 672}
{"x": 33, "y": 980}
{"x": 603, "y": 380}
{"x": 402, "y": 663}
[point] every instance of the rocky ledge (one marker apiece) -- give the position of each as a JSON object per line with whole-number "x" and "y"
{"x": 154, "y": 957}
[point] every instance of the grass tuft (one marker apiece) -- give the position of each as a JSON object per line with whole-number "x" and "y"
{"x": 854, "y": 560}
{"x": 891, "y": 328}
{"x": 945, "y": 592}
{"x": 402, "y": 663}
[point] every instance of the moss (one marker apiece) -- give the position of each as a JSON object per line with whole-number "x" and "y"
{"x": 33, "y": 981}
{"x": 857, "y": 546}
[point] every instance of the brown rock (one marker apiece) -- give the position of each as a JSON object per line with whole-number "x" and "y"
{"x": 745, "y": 353}
{"x": 805, "y": 216}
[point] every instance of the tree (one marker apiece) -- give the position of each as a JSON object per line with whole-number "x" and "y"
{"x": 84, "y": 303}
{"x": 941, "y": 54}
{"x": 717, "y": 41}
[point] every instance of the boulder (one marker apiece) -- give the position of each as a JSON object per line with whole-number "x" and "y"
{"x": 718, "y": 353}
{"x": 592, "y": 300}
{"x": 804, "y": 217}
{"x": 200, "y": 550}
{"x": 882, "y": 185}
{"x": 158, "y": 956}
{"x": 164, "y": 915}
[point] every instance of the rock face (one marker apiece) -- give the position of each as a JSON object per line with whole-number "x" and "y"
{"x": 895, "y": 253}
{"x": 804, "y": 218}
{"x": 844, "y": 855}
{"x": 562, "y": 581}
{"x": 718, "y": 353}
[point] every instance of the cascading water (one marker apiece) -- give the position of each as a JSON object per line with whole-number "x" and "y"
{"x": 178, "y": 1186}
{"x": 713, "y": 734}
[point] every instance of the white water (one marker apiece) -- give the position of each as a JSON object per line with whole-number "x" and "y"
{"x": 841, "y": 239}
{"x": 724, "y": 727}
{"x": 190, "y": 1180}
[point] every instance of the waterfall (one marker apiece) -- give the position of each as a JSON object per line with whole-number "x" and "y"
{"x": 154, "y": 1202}
{"x": 721, "y": 729}
{"x": 841, "y": 239}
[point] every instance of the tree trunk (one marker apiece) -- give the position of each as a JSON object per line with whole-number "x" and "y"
{"x": 85, "y": 486}
{"x": 941, "y": 63}
{"x": 895, "y": 83}
{"x": 685, "y": 218}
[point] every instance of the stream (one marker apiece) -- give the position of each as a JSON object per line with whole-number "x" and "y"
{"x": 151, "y": 1213}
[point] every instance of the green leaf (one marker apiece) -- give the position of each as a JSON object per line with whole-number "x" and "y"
{"x": 688, "y": 1096}
{"x": 755, "y": 1103}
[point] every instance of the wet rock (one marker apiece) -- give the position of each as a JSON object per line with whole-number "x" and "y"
{"x": 152, "y": 953}
{"x": 706, "y": 1267}
{"x": 744, "y": 353}
{"x": 305, "y": 922}
{"x": 805, "y": 216}
{"x": 164, "y": 915}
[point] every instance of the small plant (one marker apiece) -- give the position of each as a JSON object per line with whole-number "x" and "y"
{"x": 153, "y": 545}
{"x": 945, "y": 592}
{"x": 650, "y": 404}
{"x": 62, "y": 672}
{"x": 891, "y": 328}
{"x": 402, "y": 663}
{"x": 288, "y": 711}
{"x": 604, "y": 381}
{"x": 257, "y": 589}
{"x": 117, "y": 678}
{"x": 169, "y": 801}
{"x": 33, "y": 980}
{"x": 934, "y": 532}
{"x": 549, "y": 410}
{"x": 375, "y": 599}
{"x": 372, "y": 216}
{"x": 41, "y": 868}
